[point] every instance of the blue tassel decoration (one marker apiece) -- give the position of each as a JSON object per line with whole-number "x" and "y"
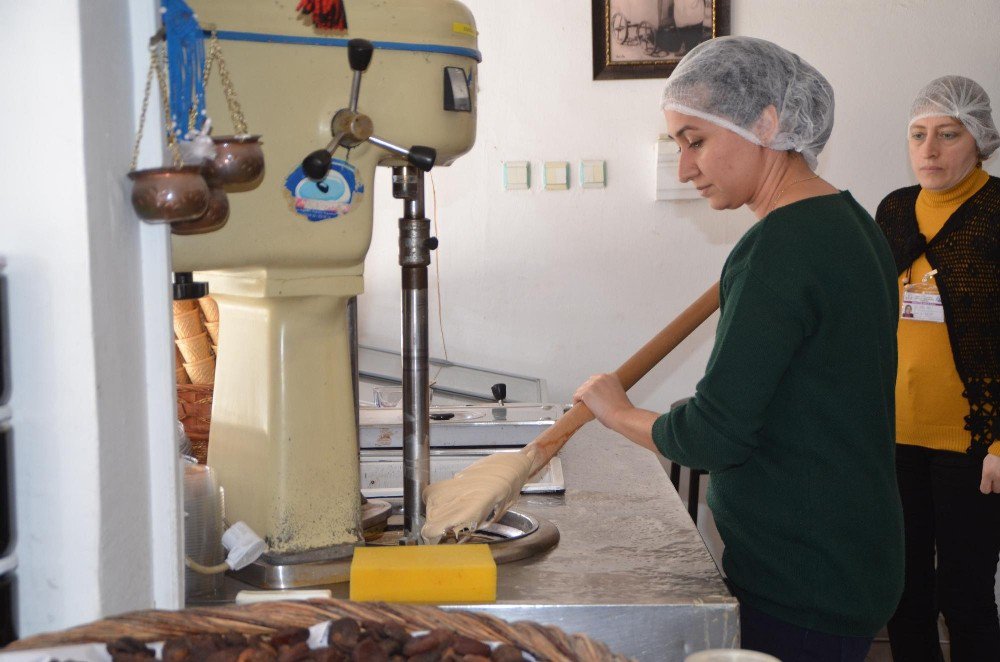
{"x": 185, "y": 64}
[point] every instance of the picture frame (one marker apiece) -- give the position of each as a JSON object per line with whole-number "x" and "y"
{"x": 647, "y": 38}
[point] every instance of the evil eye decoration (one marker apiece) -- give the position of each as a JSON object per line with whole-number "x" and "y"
{"x": 332, "y": 197}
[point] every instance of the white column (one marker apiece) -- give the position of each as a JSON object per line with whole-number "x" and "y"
{"x": 95, "y": 472}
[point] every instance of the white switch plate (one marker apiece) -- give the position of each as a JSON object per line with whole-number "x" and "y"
{"x": 668, "y": 186}
{"x": 592, "y": 174}
{"x": 516, "y": 175}
{"x": 556, "y": 175}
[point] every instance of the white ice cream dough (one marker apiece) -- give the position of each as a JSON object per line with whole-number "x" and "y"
{"x": 462, "y": 503}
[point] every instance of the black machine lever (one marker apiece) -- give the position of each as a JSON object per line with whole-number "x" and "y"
{"x": 351, "y": 128}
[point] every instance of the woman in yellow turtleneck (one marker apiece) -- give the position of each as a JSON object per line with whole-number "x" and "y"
{"x": 945, "y": 237}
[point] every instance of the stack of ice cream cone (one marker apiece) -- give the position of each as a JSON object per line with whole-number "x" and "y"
{"x": 211, "y": 312}
{"x": 193, "y": 345}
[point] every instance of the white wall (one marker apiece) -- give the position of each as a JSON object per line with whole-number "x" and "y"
{"x": 562, "y": 284}
{"x": 554, "y": 284}
{"x": 93, "y": 537}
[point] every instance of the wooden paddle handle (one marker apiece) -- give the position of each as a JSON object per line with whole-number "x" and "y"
{"x": 547, "y": 444}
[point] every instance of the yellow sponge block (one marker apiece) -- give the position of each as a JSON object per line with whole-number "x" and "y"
{"x": 424, "y": 573}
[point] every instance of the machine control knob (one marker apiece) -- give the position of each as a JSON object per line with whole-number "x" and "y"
{"x": 359, "y": 53}
{"x": 431, "y": 243}
{"x": 317, "y": 165}
{"x": 499, "y": 392}
{"x": 185, "y": 286}
{"x": 422, "y": 157}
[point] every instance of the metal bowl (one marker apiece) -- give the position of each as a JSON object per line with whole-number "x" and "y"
{"x": 213, "y": 219}
{"x": 166, "y": 195}
{"x": 239, "y": 160}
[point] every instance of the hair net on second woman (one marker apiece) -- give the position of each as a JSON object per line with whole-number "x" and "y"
{"x": 963, "y": 99}
{"x": 730, "y": 81}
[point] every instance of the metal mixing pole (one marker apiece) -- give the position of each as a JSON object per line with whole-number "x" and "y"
{"x": 415, "y": 245}
{"x": 350, "y": 128}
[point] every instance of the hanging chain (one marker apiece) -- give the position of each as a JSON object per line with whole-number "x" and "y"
{"x": 159, "y": 59}
{"x": 193, "y": 115}
{"x": 239, "y": 123}
{"x": 142, "y": 113}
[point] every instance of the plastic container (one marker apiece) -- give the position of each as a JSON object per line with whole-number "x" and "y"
{"x": 203, "y": 528}
{"x": 387, "y": 396}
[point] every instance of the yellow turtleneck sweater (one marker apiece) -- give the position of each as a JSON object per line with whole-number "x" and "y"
{"x": 930, "y": 409}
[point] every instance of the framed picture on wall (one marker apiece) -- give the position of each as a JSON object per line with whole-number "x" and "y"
{"x": 647, "y": 38}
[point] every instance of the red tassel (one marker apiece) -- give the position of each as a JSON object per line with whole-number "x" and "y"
{"x": 326, "y": 14}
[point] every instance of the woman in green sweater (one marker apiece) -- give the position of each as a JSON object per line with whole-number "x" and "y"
{"x": 794, "y": 416}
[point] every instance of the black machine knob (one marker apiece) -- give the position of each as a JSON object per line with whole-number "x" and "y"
{"x": 431, "y": 243}
{"x": 359, "y": 53}
{"x": 422, "y": 157}
{"x": 317, "y": 165}
{"x": 499, "y": 392}
{"x": 185, "y": 286}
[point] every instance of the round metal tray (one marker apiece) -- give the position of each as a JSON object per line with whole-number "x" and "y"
{"x": 517, "y": 535}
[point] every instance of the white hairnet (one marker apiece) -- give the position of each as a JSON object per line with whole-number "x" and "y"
{"x": 730, "y": 81}
{"x": 963, "y": 99}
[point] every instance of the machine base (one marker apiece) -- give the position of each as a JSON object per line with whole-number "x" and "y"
{"x": 516, "y": 536}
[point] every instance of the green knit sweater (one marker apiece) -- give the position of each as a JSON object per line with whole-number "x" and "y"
{"x": 794, "y": 419}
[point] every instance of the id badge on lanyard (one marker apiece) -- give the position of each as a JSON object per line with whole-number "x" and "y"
{"x": 922, "y": 301}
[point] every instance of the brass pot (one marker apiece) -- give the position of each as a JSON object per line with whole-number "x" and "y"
{"x": 167, "y": 195}
{"x": 214, "y": 217}
{"x": 239, "y": 160}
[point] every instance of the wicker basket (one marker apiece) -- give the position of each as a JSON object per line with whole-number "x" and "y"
{"x": 542, "y": 641}
{"x": 194, "y": 411}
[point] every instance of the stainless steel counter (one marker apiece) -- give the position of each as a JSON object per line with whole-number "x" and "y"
{"x": 630, "y": 568}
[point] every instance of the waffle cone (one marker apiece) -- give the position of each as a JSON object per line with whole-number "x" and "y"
{"x": 215, "y": 350}
{"x": 202, "y": 371}
{"x": 209, "y": 308}
{"x": 194, "y": 348}
{"x": 178, "y": 358}
{"x": 184, "y": 305}
{"x": 213, "y": 331}
{"x": 188, "y": 323}
{"x": 181, "y": 375}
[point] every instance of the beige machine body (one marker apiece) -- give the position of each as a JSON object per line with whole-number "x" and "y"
{"x": 283, "y": 435}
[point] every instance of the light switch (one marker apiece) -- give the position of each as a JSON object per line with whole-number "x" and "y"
{"x": 516, "y": 175}
{"x": 592, "y": 174}
{"x": 556, "y": 175}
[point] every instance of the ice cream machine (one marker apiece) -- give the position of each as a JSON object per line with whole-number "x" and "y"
{"x": 285, "y": 267}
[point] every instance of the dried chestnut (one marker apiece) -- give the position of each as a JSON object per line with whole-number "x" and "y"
{"x": 257, "y": 654}
{"x": 468, "y": 646}
{"x": 329, "y": 655}
{"x": 175, "y": 650}
{"x": 344, "y": 634}
{"x": 294, "y": 653}
{"x": 224, "y": 655}
{"x": 434, "y": 641}
{"x": 129, "y": 646}
{"x": 289, "y": 636}
{"x": 369, "y": 651}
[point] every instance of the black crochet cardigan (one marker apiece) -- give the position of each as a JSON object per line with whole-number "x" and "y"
{"x": 966, "y": 253}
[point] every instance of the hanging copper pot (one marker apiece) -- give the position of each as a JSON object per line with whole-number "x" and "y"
{"x": 214, "y": 217}
{"x": 167, "y": 195}
{"x": 239, "y": 161}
